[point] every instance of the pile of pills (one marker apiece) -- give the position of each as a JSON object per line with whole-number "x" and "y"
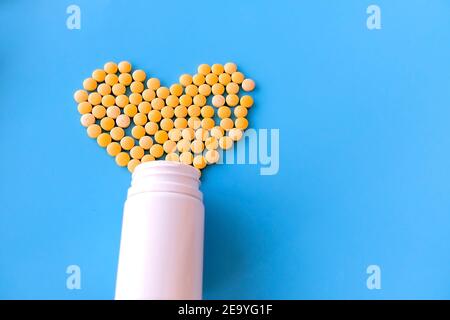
{"x": 136, "y": 119}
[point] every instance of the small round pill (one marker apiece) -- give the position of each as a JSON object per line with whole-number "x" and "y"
{"x": 113, "y": 149}
{"x": 225, "y": 142}
{"x": 151, "y": 127}
{"x": 169, "y": 146}
{"x": 230, "y": 67}
{"x": 186, "y": 157}
{"x": 133, "y": 164}
{"x": 204, "y": 69}
{"x": 211, "y": 79}
{"x": 172, "y": 157}
{"x": 147, "y": 158}
{"x": 166, "y": 124}
{"x": 224, "y": 79}
{"x": 199, "y": 100}
{"x": 157, "y": 104}
{"x": 146, "y": 142}
{"x": 118, "y": 89}
{"x": 99, "y": 75}
{"x": 84, "y": 107}
{"x": 188, "y": 134}
{"x": 218, "y": 100}
{"x": 235, "y": 134}
{"x": 137, "y": 87}
{"x": 194, "y": 123}
{"x": 180, "y": 111}
{"x": 226, "y": 123}
{"x": 232, "y": 100}
{"x": 232, "y": 88}
{"x": 199, "y": 162}
{"x": 80, "y": 96}
{"x": 204, "y": 89}
{"x": 123, "y": 121}
{"x": 162, "y": 92}
{"x": 217, "y": 68}
{"x": 127, "y": 143}
{"x": 103, "y": 140}
{"x": 122, "y": 159}
{"x": 191, "y": 90}
{"x": 156, "y": 150}
{"x": 117, "y": 133}
{"x": 172, "y": 101}
{"x": 201, "y": 134}
{"x": 194, "y": 111}
{"x": 122, "y": 101}
{"x": 217, "y": 88}
{"x": 176, "y": 89}
{"x": 137, "y": 152}
{"x": 148, "y": 94}
{"x": 240, "y": 111}
{"x": 207, "y": 112}
{"x": 161, "y": 136}
{"x": 175, "y": 134}
{"x": 95, "y": 98}
{"x": 198, "y": 79}
{"x": 180, "y": 123}
{"x": 185, "y": 100}
{"x": 139, "y": 75}
{"x": 224, "y": 112}
{"x": 125, "y": 79}
{"x": 111, "y": 79}
{"x": 124, "y": 66}
{"x": 99, "y": 111}
{"x": 167, "y": 112}
{"x": 246, "y": 101}
{"x": 241, "y": 123}
{"x": 104, "y": 89}
{"x": 248, "y": 85}
{"x": 107, "y": 123}
{"x": 208, "y": 123}
{"x": 212, "y": 156}
{"x": 153, "y": 83}
{"x": 108, "y": 100}
{"x": 144, "y": 107}
{"x": 94, "y": 130}
{"x": 184, "y": 145}
{"x": 135, "y": 98}
{"x": 130, "y": 110}
{"x": 87, "y": 119}
{"x": 237, "y": 77}
{"x": 197, "y": 146}
{"x": 154, "y": 116}
{"x": 185, "y": 80}
{"x": 140, "y": 119}
{"x": 110, "y": 67}
{"x": 138, "y": 132}
{"x": 89, "y": 84}
{"x": 211, "y": 143}
{"x": 217, "y": 132}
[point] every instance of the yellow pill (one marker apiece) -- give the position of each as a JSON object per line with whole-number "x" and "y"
{"x": 137, "y": 152}
{"x": 211, "y": 79}
{"x": 154, "y": 116}
{"x": 217, "y": 132}
{"x": 147, "y": 158}
{"x": 224, "y": 78}
{"x": 218, "y": 100}
{"x": 125, "y": 79}
{"x": 175, "y": 134}
{"x": 153, "y": 83}
{"x": 240, "y": 111}
{"x": 225, "y": 142}
{"x": 140, "y": 119}
{"x": 207, "y": 112}
{"x": 194, "y": 111}
{"x": 130, "y": 110}
{"x": 194, "y": 123}
{"x": 188, "y": 134}
{"x": 123, "y": 121}
{"x": 137, "y": 87}
{"x": 181, "y": 111}
{"x": 95, "y": 98}
{"x": 84, "y": 107}
{"x": 135, "y": 98}
{"x": 111, "y": 79}
{"x": 241, "y": 123}
{"x": 161, "y": 136}
{"x": 224, "y": 112}
{"x": 157, "y": 104}
{"x": 94, "y": 130}
{"x": 176, "y": 89}
{"x": 110, "y": 67}
{"x": 248, "y": 85}
{"x": 89, "y": 84}
{"x": 151, "y": 127}
{"x": 103, "y": 140}
{"x": 166, "y": 124}
{"x": 80, "y": 96}
{"x": 184, "y": 145}
{"x": 230, "y": 67}
{"x": 148, "y": 94}
{"x": 124, "y": 66}
{"x": 235, "y": 134}
{"x": 104, "y": 89}
{"x": 117, "y": 133}
{"x": 237, "y": 77}
{"x": 107, "y": 123}
{"x": 211, "y": 143}
{"x": 246, "y": 101}
{"x": 146, "y": 142}
{"x": 232, "y": 100}
{"x": 172, "y": 157}
{"x": 144, "y": 107}
{"x": 232, "y": 88}
{"x": 118, "y": 89}
{"x": 201, "y": 134}
{"x": 127, "y": 143}
{"x": 167, "y": 112}
{"x": 185, "y": 80}
{"x": 108, "y": 100}
{"x": 204, "y": 89}
{"x": 185, "y": 100}
{"x": 122, "y": 159}
{"x": 186, "y": 157}
{"x": 122, "y": 100}
{"x": 156, "y": 150}
{"x": 133, "y": 164}
{"x": 226, "y": 123}
{"x": 217, "y": 88}
{"x": 139, "y": 75}
{"x": 198, "y": 79}
{"x": 170, "y": 146}
{"x": 199, "y": 162}
{"x": 204, "y": 69}
{"x": 99, "y": 111}
{"x": 87, "y": 119}
{"x": 217, "y": 68}
{"x": 199, "y": 100}
{"x": 113, "y": 149}
{"x": 162, "y": 92}
{"x": 191, "y": 90}
{"x": 172, "y": 101}
{"x": 212, "y": 156}
{"x": 99, "y": 75}
{"x": 180, "y": 123}
{"x": 197, "y": 146}
{"x": 138, "y": 132}
{"x": 208, "y": 123}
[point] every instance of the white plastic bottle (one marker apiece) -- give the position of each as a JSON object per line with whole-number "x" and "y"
{"x": 161, "y": 248}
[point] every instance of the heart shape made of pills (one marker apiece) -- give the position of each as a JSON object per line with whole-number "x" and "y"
{"x": 138, "y": 120}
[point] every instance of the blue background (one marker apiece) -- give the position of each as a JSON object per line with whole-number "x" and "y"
{"x": 364, "y": 119}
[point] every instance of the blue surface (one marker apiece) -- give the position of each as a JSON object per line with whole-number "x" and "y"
{"x": 364, "y": 119}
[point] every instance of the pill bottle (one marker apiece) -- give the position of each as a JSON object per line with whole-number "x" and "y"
{"x": 161, "y": 247}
